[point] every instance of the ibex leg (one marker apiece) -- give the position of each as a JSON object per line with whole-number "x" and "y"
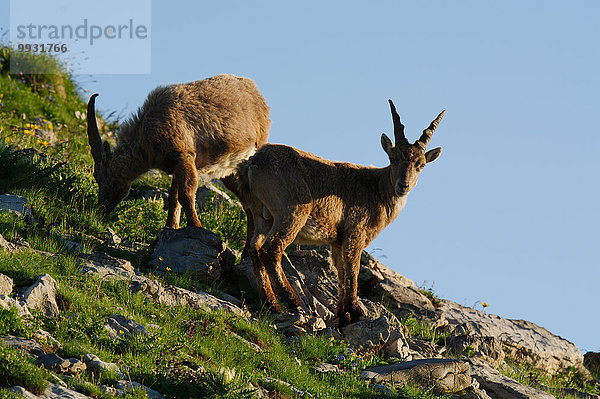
{"x": 281, "y": 235}
{"x": 264, "y": 283}
{"x": 174, "y": 213}
{"x": 187, "y": 181}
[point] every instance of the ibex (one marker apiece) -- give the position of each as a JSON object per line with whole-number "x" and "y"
{"x": 205, "y": 128}
{"x": 295, "y": 196}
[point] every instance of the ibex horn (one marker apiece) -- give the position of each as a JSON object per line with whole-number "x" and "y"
{"x": 92, "y": 129}
{"x": 399, "y": 137}
{"x": 427, "y": 133}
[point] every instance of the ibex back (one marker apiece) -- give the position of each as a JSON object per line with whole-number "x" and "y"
{"x": 205, "y": 128}
{"x": 295, "y": 196}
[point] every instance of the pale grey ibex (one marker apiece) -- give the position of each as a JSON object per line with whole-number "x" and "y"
{"x": 205, "y": 127}
{"x": 295, "y": 196}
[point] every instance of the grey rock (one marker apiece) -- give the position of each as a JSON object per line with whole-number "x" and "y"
{"x": 128, "y": 386}
{"x": 106, "y": 266}
{"x": 325, "y": 368}
{"x": 53, "y": 362}
{"x": 171, "y": 295}
{"x": 46, "y": 135}
{"x": 23, "y": 392}
{"x": 111, "y": 268}
{"x": 14, "y": 204}
{"x": 111, "y": 237}
{"x": 520, "y": 339}
{"x": 95, "y": 365}
{"x": 398, "y": 347}
{"x": 368, "y": 333}
{"x": 7, "y": 246}
{"x": 25, "y": 345}
{"x": 314, "y": 277}
{"x": 7, "y": 302}
{"x": 473, "y": 392}
{"x": 499, "y": 386}
{"x": 6, "y": 284}
{"x": 420, "y": 349}
{"x": 119, "y": 326}
{"x": 398, "y": 293}
{"x": 42, "y": 296}
{"x": 444, "y": 375}
{"x": 55, "y": 391}
{"x": 47, "y": 338}
{"x": 488, "y": 348}
{"x": 192, "y": 249}
{"x": 112, "y": 390}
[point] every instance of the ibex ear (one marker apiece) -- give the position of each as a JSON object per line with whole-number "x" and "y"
{"x": 432, "y": 155}
{"x": 386, "y": 143}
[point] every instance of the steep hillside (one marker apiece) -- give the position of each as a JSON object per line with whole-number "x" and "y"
{"x": 90, "y": 307}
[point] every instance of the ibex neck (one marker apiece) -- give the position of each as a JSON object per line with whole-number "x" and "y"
{"x": 128, "y": 160}
{"x": 393, "y": 202}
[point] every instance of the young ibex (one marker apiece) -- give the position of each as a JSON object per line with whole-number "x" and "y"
{"x": 205, "y": 127}
{"x": 295, "y": 196}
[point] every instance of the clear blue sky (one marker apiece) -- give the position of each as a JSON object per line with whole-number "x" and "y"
{"x": 509, "y": 213}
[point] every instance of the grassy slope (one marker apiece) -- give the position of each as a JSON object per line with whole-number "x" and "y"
{"x": 191, "y": 352}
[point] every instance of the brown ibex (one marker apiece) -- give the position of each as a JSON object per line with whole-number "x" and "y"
{"x": 205, "y": 127}
{"x": 295, "y": 196}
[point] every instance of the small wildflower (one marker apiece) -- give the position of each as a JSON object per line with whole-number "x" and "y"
{"x": 168, "y": 269}
{"x": 485, "y": 304}
{"x": 121, "y": 332}
{"x": 160, "y": 258}
{"x": 341, "y": 357}
{"x": 159, "y": 338}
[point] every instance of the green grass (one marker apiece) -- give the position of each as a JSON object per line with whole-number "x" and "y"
{"x": 15, "y": 369}
{"x": 528, "y": 375}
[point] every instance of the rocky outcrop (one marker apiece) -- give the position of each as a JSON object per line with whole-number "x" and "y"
{"x": 42, "y": 296}
{"x": 14, "y": 204}
{"x": 97, "y": 366}
{"x": 53, "y": 391}
{"x": 520, "y": 339}
{"x": 107, "y": 267}
{"x": 120, "y": 327}
{"x": 499, "y": 386}
{"x": 6, "y": 285}
{"x": 55, "y": 363}
{"x": 193, "y": 249}
{"x": 445, "y": 376}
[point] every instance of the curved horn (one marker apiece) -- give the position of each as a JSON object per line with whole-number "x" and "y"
{"x": 427, "y": 133}
{"x": 399, "y": 137}
{"x": 92, "y": 130}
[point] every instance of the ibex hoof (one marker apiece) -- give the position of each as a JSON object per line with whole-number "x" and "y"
{"x": 353, "y": 315}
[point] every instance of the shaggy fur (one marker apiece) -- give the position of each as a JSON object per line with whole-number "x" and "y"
{"x": 198, "y": 130}
{"x": 295, "y": 196}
